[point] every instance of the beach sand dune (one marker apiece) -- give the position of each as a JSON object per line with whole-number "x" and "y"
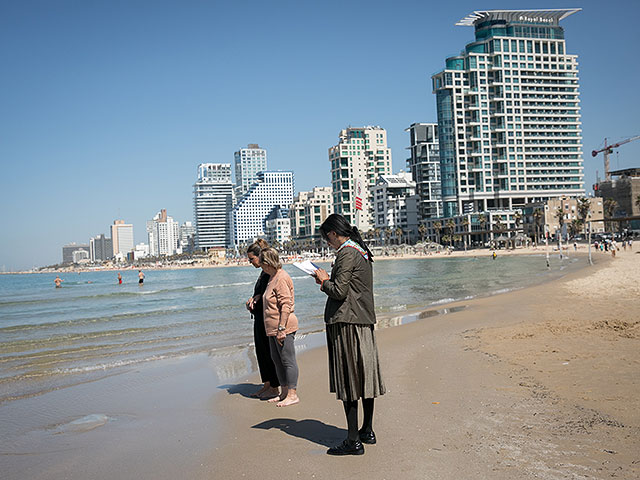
{"x": 537, "y": 383}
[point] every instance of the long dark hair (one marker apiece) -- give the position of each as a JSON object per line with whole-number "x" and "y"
{"x": 337, "y": 223}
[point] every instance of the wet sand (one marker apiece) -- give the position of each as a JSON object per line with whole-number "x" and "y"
{"x": 537, "y": 383}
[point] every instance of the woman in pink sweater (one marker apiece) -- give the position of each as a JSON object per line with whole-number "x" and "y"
{"x": 281, "y": 325}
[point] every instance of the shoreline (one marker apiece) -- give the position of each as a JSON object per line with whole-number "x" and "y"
{"x": 477, "y": 252}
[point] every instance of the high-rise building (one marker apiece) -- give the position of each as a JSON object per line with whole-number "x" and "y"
{"x": 187, "y": 237}
{"x": 100, "y": 248}
{"x": 248, "y": 163}
{"x": 121, "y": 238}
{"x": 272, "y": 190}
{"x": 509, "y": 114}
{"x": 71, "y": 248}
{"x": 212, "y": 202}
{"x": 393, "y": 206}
{"x": 308, "y": 211}
{"x": 360, "y": 156}
{"x": 424, "y": 165}
{"x": 164, "y": 234}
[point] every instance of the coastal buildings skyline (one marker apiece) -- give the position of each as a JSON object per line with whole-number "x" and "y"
{"x": 187, "y": 120}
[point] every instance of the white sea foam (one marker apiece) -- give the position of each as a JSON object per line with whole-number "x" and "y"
{"x": 443, "y": 300}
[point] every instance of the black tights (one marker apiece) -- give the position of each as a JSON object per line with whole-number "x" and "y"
{"x": 351, "y": 412}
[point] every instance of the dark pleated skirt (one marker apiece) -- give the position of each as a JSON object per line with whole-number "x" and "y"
{"x": 354, "y": 369}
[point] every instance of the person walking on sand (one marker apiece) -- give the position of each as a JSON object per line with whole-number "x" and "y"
{"x": 281, "y": 325}
{"x": 266, "y": 366}
{"x": 140, "y": 277}
{"x": 119, "y": 279}
{"x": 58, "y": 282}
{"x": 349, "y": 314}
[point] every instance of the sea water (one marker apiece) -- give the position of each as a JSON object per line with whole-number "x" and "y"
{"x": 92, "y": 327}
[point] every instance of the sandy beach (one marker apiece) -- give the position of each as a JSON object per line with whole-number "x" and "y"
{"x": 538, "y": 383}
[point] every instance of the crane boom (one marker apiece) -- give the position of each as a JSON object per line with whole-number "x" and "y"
{"x": 608, "y": 149}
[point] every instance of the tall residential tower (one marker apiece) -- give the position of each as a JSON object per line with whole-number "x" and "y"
{"x": 212, "y": 202}
{"x": 509, "y": 114}
{"x": 360, "y": 156}
{"x": 424, "y": 165}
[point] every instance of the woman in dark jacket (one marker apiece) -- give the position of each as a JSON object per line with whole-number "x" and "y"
{"x": 354, "y": 369}
{"x": 254, "y": 305}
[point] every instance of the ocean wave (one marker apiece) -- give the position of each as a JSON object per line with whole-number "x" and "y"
{"x": 222, "y": 285}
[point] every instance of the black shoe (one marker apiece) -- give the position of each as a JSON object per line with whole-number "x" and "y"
{"x": 367, "y": 437}
{"x": 347, "y": 448}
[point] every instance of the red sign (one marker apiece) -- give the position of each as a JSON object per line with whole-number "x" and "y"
{"x": 358, "y": 203}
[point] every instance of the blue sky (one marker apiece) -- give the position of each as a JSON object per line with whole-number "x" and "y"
{"x": 107, "y": 108}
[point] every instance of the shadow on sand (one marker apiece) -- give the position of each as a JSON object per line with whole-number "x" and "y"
{"x": 311, "y": 430}
{"x": 244, "y": 389}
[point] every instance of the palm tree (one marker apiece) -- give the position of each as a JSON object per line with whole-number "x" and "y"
{"x": 575, "y": 227}
{"x": 387, "y": 235}
{"x": 482, "y": 220}
{"x": 398, "y": 233}
{"x": 537, "y": 217}
{"x": 437, "y": 226}
{"x": 451, "y": 226}
{"x": 517, "y": 219}
{"x": 610, "y": 207}
{"x": 584, "y": 208}
{"x": 422, "y": 230}
{"x": 637, "y": 202}
{"x": 465, "y": 227}
{"x": 377, "y": 232}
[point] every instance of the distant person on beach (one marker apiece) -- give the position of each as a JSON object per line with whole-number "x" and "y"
{"x": 119, "y": 279}
{"x": 58, "y": 282}
{"x": 140, "y": 277}
{"x": 494, "y": 255}
{"x": 267, "y": 369}
{"x": 281, "y": 325}
{"x": 349, "y": 314}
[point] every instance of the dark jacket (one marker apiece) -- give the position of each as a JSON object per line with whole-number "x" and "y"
{"x": 350, "y": 289}
{"x": 260, "y": 287}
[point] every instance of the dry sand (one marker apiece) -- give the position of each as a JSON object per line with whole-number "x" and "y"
{"x": 538, "y": 383}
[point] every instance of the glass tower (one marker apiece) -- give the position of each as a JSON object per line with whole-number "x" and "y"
{"x": 509, "y": 114}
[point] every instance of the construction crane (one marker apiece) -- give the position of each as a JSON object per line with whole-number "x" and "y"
{"x": 608, "y": 150}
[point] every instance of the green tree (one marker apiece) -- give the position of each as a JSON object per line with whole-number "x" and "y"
{"x": 482, "y": 220}
{"x": 437, "y": 226}
{"x": 399, "y": 233}
{"x": 538, "y": 215}
{"x": 610, "y": 207}
{"x": 575, "y": 227}
{"x": 451, "y": 227}
{"x": 422, "y": 230}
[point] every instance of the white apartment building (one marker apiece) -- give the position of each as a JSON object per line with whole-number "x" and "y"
{"x": 277, "y": 227}
{"x": 248, "y": 217}
{"x": 393, "y": 207}
{"x": 424, "y": 165}
{"x": 248, "y": 163}
{"x": 164, "y": 235}
{"x": 309, "y": 210}
{"x": 360, "y": 156}
{"x": 121, "y": 238}
{"x": 212, "y": 202}
{"x": 509, "y": 114}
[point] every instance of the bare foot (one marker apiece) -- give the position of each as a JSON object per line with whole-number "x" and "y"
{"x": 279, "y": 398}
{"x": 288, "y": 401}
